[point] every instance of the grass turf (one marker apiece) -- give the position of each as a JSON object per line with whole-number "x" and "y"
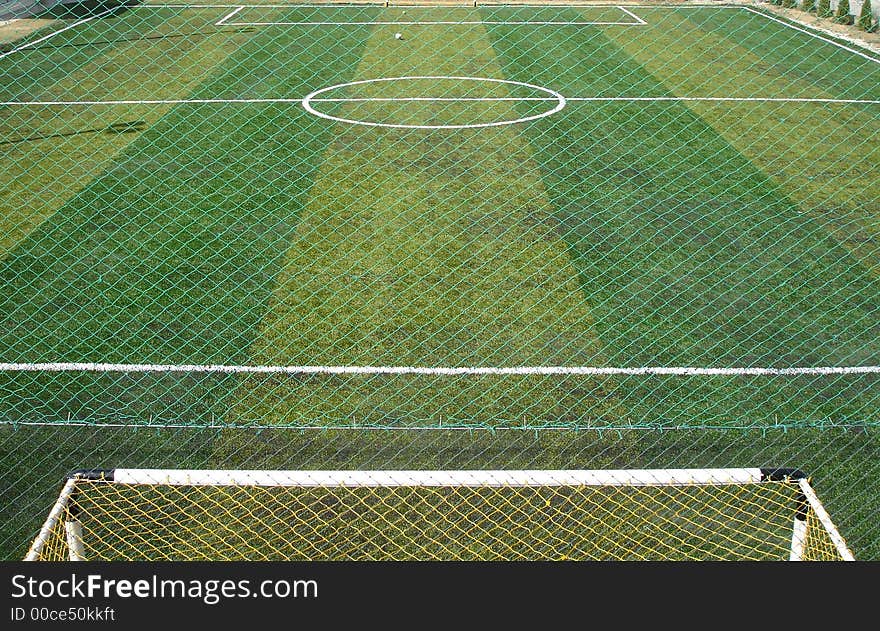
{"x": 618, "y": 233}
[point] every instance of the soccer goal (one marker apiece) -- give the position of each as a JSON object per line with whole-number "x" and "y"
{"x": 154, "y": 514}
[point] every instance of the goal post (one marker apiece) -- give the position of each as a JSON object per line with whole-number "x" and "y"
{"x": 656, "y": 514}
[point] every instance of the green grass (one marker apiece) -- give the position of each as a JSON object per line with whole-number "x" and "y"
{"x": 616, "y": 233}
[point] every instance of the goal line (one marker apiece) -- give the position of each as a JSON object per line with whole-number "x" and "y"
{"x": 569, "y": 99}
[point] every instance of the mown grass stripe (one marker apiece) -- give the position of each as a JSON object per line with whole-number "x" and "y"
{"x": 687, "y": 252}
{"x": 822, "y": 155}
{"x": 169, "y": 255}
{"x": 798, "y": 56}
{"x": 421, "y": 247}
{"x": 41, "y": 176}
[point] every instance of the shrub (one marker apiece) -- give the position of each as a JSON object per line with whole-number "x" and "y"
{"x": 809, "y": 6}
{"x": 866, "y": 17}
{"x": 824, "y": 9}
{"x": 842, "y": 15}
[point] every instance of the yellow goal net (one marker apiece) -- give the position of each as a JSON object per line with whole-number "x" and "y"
{"x": 683, "y": 514}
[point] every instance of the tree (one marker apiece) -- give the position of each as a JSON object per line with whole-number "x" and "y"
{"x": 809, "y": 6}
{"x": 824, "y": 10}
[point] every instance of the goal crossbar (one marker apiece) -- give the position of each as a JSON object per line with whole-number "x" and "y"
{"x": 323, "y": 505}
{"x": 439, "y": 478}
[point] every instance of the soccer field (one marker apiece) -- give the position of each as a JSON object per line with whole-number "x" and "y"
{"x": 235, "y": 217}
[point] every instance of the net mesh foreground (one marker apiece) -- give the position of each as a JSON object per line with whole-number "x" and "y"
{"x": 221, "y": 225}
{"x": 122, "y": 521}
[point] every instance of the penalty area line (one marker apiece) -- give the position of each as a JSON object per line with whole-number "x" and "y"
{"x": 633, "y": 16}
{"x": 222, "y": 21}
{"x": 685, "y": 371}
{"x": 440, "y": 23}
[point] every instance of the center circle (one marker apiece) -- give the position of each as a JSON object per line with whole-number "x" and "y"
{"x": 552, "y": 95}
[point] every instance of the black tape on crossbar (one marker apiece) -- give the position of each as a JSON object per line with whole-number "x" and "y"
{"x": 105, "y": 475}
{"x": 782, "y": 474}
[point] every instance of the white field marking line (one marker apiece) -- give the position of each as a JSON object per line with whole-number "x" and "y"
{"x": 439, "y": 23}
{"x": 377, "y": 427}
{"x": 724, "y": 99}
{"x": 560, "y": 102}
{"x": 632, "y": 15}
{"x": 684, "y": 371}
{"x": 222, "y": 20}
{"x": 380, "y": 5}
{"x": 148, "y": 102}
{"x": 596, "y": 98}
{"x": 575, "y": 99}
{"x": 66, "y": 28}
{"x": 816, "y": 35}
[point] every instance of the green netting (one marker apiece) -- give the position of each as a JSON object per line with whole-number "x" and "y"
{"x": 256, "y": 236}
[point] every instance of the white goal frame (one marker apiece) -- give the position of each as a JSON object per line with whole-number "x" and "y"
{"x": 66, "y": 503}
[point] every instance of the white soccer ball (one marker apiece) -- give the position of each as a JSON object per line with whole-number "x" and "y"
{"x": 398, "y": 36}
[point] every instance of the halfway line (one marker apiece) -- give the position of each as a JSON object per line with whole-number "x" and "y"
{"x": 574, "y": 99}
{"x": 735, "y": 99}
